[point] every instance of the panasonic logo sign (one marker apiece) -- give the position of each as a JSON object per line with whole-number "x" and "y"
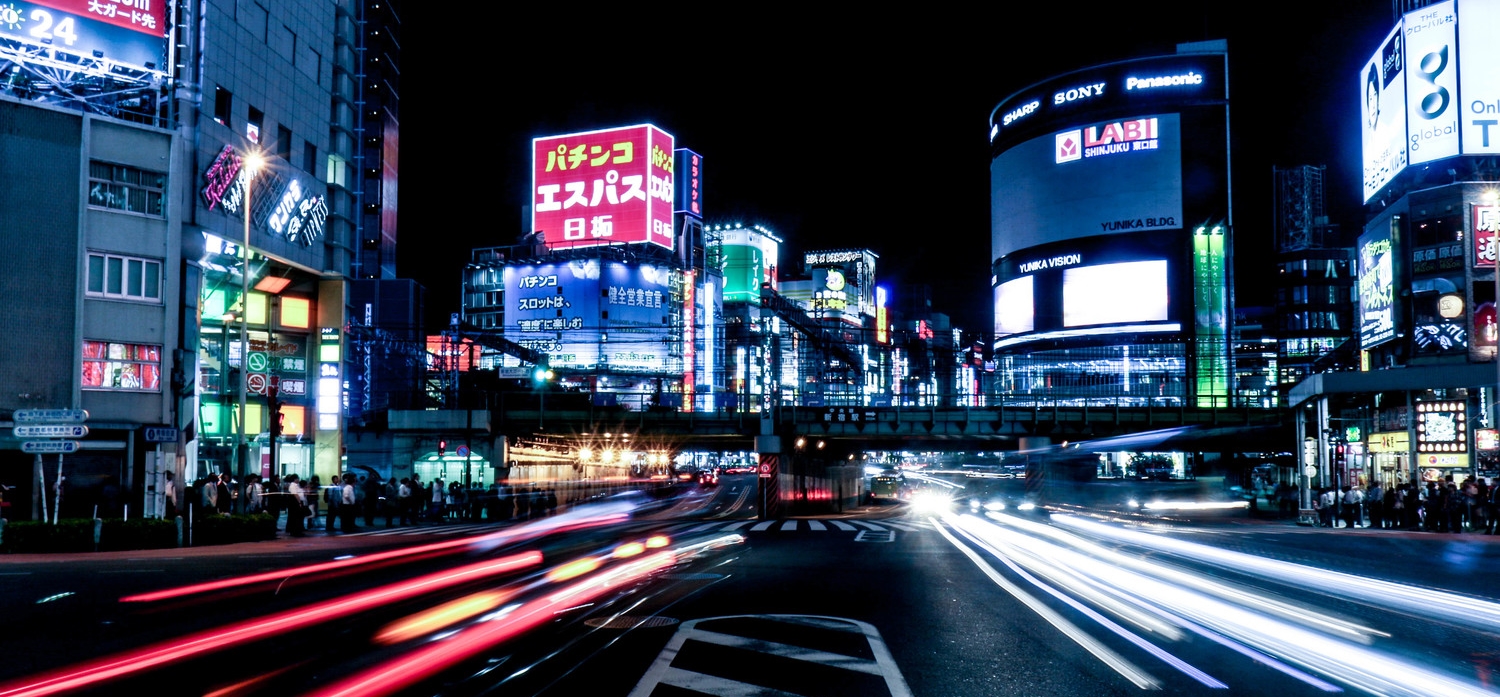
{"x": 1143, "y": 83}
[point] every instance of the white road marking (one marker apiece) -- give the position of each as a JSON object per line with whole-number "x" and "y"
{"x": 661, "y": 671}
{"x": 736, "y": 526}
{"x": 843, "y": 526}
{"x": 758, "y": 527}
{"x": 789, "y": 526}
{"x": 816, "y": 525}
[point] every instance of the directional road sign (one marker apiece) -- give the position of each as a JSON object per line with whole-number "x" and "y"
{"x": 49, "y": 446}
{"x": 52, "y": 431}
{"x": 161, "y": 434}
{"x": 53, "y": 416}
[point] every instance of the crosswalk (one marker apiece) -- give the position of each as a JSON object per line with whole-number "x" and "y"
{"x": 789, "y": 525}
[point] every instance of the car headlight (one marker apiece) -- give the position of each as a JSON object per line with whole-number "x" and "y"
{"x": 1026, "y": 506}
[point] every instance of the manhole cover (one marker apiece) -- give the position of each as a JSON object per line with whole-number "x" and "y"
{"x": 629, "y": 622}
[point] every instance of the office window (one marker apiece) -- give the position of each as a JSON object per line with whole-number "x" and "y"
{"x": 310, "y": 158}
{"x": 123, "y": 278}
{"x": 253, "y": 125}
{"x": 114, "y": 366}
{"x": 223, "y": 105}
{"x": 336, "y": 175}
{"x": 284, "y": 143}
{"x": 126, "y": 189}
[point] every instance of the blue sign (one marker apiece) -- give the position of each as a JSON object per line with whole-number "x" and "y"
{"x": 586, "y": 314}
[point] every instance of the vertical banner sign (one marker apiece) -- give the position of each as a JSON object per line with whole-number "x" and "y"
{"x": 689, "y": 183}
{"x": 604, "y": 187}
{"x": 770, "y": 484}
{"x": 689, "y": 354}
{"x": 1486, "y": 225}
{"x": 882, "y": 333}
{"x": 1432, "y": 82}
{"x": 1212, "y": 360}
{"x": 1377, "y": 282}
{"x": 330, "y": 384}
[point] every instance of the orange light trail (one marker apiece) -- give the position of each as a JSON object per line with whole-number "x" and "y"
{"x": 109, "y": 668}
{"x": 434, "y": 658}
{"x": 442, "y": 616}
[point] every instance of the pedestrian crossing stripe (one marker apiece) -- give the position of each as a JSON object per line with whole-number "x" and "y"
{"x": 787, "y": 525}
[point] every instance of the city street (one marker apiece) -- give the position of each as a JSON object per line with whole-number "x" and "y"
{"x": 886, "y": 600}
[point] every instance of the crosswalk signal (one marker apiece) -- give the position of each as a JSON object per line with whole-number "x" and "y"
{"x": 442, "y": 447}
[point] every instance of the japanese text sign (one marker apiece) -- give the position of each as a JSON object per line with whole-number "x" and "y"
{"x": 606, "y": 187}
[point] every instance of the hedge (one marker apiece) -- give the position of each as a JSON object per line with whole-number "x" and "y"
{"x": 226, "y": 529}
{"x": 77, "y": 534}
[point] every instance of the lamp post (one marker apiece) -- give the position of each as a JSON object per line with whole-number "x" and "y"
{"x": 251, "y": 164}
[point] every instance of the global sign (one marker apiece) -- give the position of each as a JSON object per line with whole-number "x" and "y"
{"x": 604, "y": 187}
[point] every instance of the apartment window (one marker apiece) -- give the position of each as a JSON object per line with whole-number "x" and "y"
{"x": 284, "y": 143}
{"x": 127, "y": 189}
{"x": 114, "y": 366}
{"x": 253, "y": 125}
{"x": 124, "y": 278}
{"x": 223, "y": 105}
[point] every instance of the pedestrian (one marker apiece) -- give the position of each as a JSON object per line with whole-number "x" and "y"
{"x": 1375, "y": 504}
{"x": 1353, "y": 505}
{"x": 388, "y": 501}
{"x": 296, "y": 508}
{"x": 254, "y": 494}
{"x": 208, "y": 498}
{"x": 1324, "y": 503}
{"x": 311, "y": 492}
{"x": 169, "y": 493}
{"x": 349, "y": 504}
{"x": 333, "y": 494}
{"x": 523, "y": 503}
{"x": 369, "y": 498}
{"x": 437, "y": 497}
{"x": 272, "y": 494}
{"x": 405, "y": 502}
{"x": 224, "y": 498}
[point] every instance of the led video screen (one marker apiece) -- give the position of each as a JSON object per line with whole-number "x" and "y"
{"x": 1133, "y": 291}
{"x": 1015, "y": 308}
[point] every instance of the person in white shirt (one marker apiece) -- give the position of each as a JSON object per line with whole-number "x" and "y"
{"x": 170, "y": 493}
{"x": 348, "y": 510}
{"x": 1354, "y": 499}
{"x": 1326, "y": 503}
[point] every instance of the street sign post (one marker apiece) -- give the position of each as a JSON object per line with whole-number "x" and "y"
{"x": 51, "y": 416}
{"x": 52, "y": 431}
{"x": 49, "y": 446}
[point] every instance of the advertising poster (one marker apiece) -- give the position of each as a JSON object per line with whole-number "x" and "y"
{"x": 636, "y": 303}
{"x": 1486, "y": 225}
{"x": 604, "y": 187}
{"x": 1104, "y": 178}
{"x": 1432, "y": 82}
{"x": 1479, "y": 82}
{"x": 1377, "y": 314}
{"x": 554, "y": 308}
{"x": 1383, "y": 122}
{"x": 749, "y": 258}
{"x": 129, "y": 32}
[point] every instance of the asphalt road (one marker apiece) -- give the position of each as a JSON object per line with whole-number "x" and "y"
{"x": 884, "y": 601}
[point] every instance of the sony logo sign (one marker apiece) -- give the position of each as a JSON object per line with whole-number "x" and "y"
{"x": 1083, "y": 92}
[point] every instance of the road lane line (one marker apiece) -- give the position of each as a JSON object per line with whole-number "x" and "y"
{"x": 1125, "y": 668}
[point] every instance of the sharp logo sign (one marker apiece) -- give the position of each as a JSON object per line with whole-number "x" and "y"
{"x": 1108, "y": 139}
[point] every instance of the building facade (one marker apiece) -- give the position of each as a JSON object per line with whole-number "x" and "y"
{"x": 1112, "y": 235}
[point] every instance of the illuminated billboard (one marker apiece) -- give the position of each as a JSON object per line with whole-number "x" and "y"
{"x": 1377, "y": 283}
{"x": 689, "y": 197}
{"x": 1133, "y": 291}
{"x": 1100, "y": 178}
{"x": 607, "y": 187}
{"x": 1114, "y": 284}
{"x": 1431, "y": 82}
{"x": 588, "y": 314}
{"x": 1383, "y": 127}
{"x": 128, "y": 32}
{"x": 1479, "y": 88}
{"x": 748, "y": 257}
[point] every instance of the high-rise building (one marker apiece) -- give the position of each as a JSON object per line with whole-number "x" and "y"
{"x": 1314, "y": 276}
{"x": 182, "y": 281}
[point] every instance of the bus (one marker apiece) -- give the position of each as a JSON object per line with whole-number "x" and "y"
{"x": 885, "y": 487}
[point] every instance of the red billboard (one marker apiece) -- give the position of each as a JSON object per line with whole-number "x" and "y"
{"x": 604, "y": 187}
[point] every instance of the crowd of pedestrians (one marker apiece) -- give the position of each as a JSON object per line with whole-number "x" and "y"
{"x": 1434, "y": 506}
{"x": 351, "y": 498}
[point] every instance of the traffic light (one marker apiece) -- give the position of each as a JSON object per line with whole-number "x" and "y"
{"x": 1338, "y": 453}
{"x": 542, "y": 374}
{"x": 273, "y": 403}
{"x": 442, "y": 447}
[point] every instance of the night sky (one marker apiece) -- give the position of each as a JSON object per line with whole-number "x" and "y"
{"x": 866, "y": 131}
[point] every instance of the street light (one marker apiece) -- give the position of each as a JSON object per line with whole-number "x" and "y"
{"x": 251, "y": 165}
